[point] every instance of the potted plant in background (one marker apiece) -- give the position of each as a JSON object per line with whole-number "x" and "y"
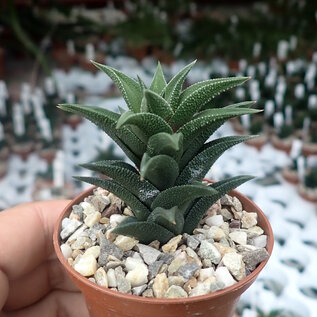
{"x": 158, "y": 229}
{"x": 310, "y": 147}
{"x": 308, "y": 189}
{"x": 290, "y": 173}
{"x": 257, "y": 128}
{"x": 283, "y": 139}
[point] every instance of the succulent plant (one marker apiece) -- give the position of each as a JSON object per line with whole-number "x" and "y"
{"x": 165, "y": 134}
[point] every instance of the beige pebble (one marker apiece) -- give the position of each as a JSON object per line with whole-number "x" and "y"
{"x": 92, "y": 219}
{"x": 101, "y": 277}
{"x": 86, "y": 266}
{"x": 172, "y": 244}
{"x": 160, "y": 285}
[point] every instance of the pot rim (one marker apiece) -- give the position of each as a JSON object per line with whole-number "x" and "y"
{"x": 130, "y": 297}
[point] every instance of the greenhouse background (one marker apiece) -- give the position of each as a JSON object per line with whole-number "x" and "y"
{"x": 45, "y": 53}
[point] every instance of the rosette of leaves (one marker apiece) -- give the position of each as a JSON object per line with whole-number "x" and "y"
{"x": 165, "y": 134}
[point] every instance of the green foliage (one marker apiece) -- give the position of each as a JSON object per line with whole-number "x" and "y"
{"x": 164, "y": 133}
{"x": 256, "y": 127}
{"x": 311, "y": 178}
{"x": 285, "y": 131}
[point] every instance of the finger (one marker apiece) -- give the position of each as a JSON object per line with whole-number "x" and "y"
{"x": 56, "y": 304}
{"x": 4, "y": 289}
{"x": 35, "y": 285}
{"x": 27, "y": 231}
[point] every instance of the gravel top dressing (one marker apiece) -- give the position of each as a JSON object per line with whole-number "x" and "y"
{"x": 226, "y": 247}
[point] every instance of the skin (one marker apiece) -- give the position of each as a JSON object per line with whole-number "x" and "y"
{"x": 32, "y": 281}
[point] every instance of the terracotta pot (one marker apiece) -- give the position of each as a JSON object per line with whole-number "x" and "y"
{"x": 258, "y": 142}
{"x": 237, "y": 126}
{"x": 88, "y": 65}
{"x": 309, "y": 149}
{"x": 290, "y": 176}
{"x": 63, "y": 59}
{"x": 308, "y": 193}
{"x": 102, "y": 302}
{"x": 139, "y": 53}
{"x": 282, "y": 145}
{"x": 163, "y": 56}
{"x": 3, "y": 169}
{"x": 47, "y": 154}
{"x": 73, "y": 121}
{"x": 4, "y": 153}
{"x": 23, "y": 150}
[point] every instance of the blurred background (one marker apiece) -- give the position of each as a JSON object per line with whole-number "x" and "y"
{"x": 45, "y": 53}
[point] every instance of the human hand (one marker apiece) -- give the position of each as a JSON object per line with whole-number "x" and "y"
{"x": 32, "y": 281}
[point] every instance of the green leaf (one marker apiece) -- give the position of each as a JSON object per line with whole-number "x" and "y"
{"x": 158, "y": 82}
{"x": 196, "y": 141}
{"x": 144, "y": 231}
{"x": 133, "y": 128}
{"x": 122, "y": 164}
{"x": 196, "y": 144}
{"x": 130, "y": 88}
{"x": 160, "y": 170}
{"x": 243, "y": 104}
{"x": 197, "y": 95}
{"x": 148, "y": 123}
{"x": 174, "y": 87}
{"x": 141, "y": 84}
{"x": 199, "y": 166}
{"x": 130, "y": 180}
{"x": 157, "y": 105}
{"x": 179, "y": 195}
{"x": 106, "y": 120}
{"x": 164, "y": 143}
{"x": 191, "y": 129}
{"x": 140, "y": 211}
{"x": 172, "y": 219}
{"x": 199, "y": 209}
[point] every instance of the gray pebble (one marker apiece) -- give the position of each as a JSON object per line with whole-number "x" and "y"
{"x": 100, "y": 202}
{"x": 226, "y": 214}
{"x": 154, "y": 269}
{"x": 167, "y": 258}
{"x": 78, "y": 210}
{"x": 70, "y": 228}
{"x": 191, "y": 241}
{"x": 188, "y": 270}
{"x": 149, "y": 254}
{"x": 138, "y": 290}
{"x": 226, "y": 200}
{"x": 253, "y": 258}
{"x": 108, "y": 248}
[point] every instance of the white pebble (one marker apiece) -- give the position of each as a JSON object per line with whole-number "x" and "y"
{"x": 223, "y": 275}
{"x": 205, "y": 273}
{"x": 125, "y": 243}
{"x": 94, "y": 251}
{"x": 216, "y": 220}
{"x": 260, "y": 241}
{"x": 101, "y": 277}
{"x": 116, "y": 219}
{"x": 239, "y": 237}
{"x": 138, "y": 276}
{"x": 66, "y": 250}
{"x": 132, "y": 263}
{"x": 92, "y": 219}
{"x": 112, "y": 281}
{"x": 86, "y": 266}
{"x": 87, "y": 208}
